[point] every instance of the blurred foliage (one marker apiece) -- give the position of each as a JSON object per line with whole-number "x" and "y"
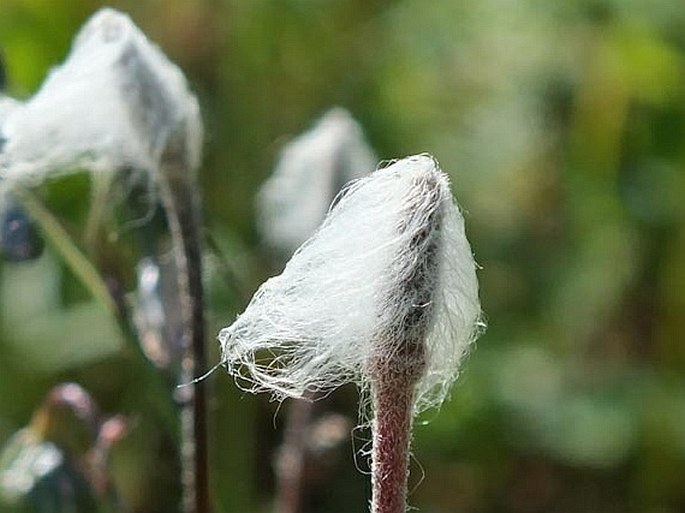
{"x": 58, "y": 463}
{"x": 563, "y": 125}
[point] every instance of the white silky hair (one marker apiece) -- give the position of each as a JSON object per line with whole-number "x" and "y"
{"x": 116, "y": 102}
{"x": 316, "y": 326}
{"x": 7, "y": 105}
{"x": 309, "y": 173}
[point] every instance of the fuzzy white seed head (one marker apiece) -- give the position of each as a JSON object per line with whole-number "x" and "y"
{"x": 310, "y": 172}
{"x": 114, "y": 103}
{"x": 347, "y": 299}
{"x": 7, "y": 105}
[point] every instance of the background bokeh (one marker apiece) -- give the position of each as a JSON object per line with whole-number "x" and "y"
{"x": 562, "y": 124}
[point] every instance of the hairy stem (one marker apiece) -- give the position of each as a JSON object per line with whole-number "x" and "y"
{"x": 399, "y": 359}
{"x": 392, "y": 403}
{"x": 180, "y": 202}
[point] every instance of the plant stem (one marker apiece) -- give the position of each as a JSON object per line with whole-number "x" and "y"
{"x": 78, "y": 263}
{"x": 392, "y": 403}
{"x": 399, "y": 362}
{"x": 106, "y": 292}
{"x": 180, "y": 202}
{"x": 292, "y": 458}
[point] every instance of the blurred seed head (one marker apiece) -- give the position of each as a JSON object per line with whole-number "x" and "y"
{"x": 116, "y": 102}
{"x": 310, "y": 172}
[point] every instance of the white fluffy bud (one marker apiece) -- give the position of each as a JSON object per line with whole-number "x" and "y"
{"x": 116, "y": 102}
{"x": 348, "y": 297}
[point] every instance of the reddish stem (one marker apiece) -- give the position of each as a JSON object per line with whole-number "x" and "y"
{"x": 292, "y": 460}
{"x": 393, "y": 401}
{"x": 180, "y": 201}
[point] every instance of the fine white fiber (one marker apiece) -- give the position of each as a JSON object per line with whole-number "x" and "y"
{"x": 349, "y": 294}
{"x": 310, "y": 172}
{"x": 116, "y": 102}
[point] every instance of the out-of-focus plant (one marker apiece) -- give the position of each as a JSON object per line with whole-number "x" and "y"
{"x": 119, "y": 110}
{"x": 310, "y": 172}
{"x": 58, "y": 462}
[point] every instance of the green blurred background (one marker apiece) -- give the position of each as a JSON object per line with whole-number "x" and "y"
{"x": 562, "y": 124}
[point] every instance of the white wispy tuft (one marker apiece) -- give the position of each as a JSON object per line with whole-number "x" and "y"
{"x": 351, "y": 289}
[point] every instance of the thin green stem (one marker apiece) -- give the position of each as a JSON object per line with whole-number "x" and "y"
{"x": 62, "y": 242}
{"x": 111, "y": 298}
